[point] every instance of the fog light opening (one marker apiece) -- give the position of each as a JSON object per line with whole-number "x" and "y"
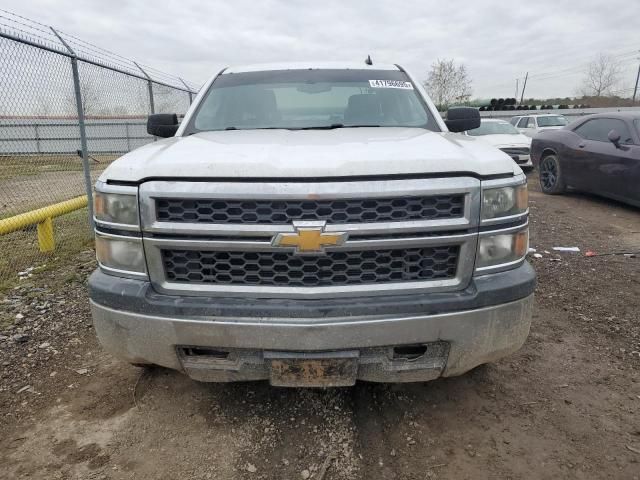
{"x": 409, "y": 352}
{"x": 204, "y": 352}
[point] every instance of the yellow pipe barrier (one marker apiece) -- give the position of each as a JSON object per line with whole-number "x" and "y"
{"x": 43, "y": 218}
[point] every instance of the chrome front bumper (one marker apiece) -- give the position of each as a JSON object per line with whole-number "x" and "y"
{"x": 472, "y": 337}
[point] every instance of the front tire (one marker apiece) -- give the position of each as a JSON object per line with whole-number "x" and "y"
{"x": 551, "y": 177}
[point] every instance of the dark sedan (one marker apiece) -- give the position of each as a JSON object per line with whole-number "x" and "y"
{"x": 597, "y": 153}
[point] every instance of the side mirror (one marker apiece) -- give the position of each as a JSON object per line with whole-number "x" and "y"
{"x": 614, "y": 137}
{"x": 163, "y": 125}
{"x": 461, "y": 119}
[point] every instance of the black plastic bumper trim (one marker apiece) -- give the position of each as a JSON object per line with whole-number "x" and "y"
{"x": 139, "y": 297}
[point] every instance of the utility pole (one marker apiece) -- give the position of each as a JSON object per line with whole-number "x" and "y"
{"x": 635, "y": 90}
{"x": 516, "y": 95}
{"x": 524, "y": 87}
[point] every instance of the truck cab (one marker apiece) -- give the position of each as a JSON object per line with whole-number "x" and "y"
{"x": 313, "y": 225}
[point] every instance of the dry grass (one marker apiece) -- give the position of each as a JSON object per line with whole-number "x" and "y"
{"x": 20, "y": 251}
{"x": 33, "y": 165}
{"x": 20, "y": 165}
{"x": 34, "y": 181}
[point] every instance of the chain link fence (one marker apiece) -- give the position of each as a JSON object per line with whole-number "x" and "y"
{"x": 68, "y": 108}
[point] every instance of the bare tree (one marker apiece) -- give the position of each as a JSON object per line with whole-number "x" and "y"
{"x": 140, "y": 103}
{"x": 167, "y": 100}
{"x": 44, "y": 107}
{"x": 90, "y": 99}
{"x": 448, "y": 83}
{"x": 602, "y": 76}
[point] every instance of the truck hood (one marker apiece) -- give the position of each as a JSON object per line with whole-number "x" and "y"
{"x": 310, "y": 154}
{"x": 501, "y": 140}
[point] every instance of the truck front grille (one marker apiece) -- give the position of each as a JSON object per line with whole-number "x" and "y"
{"x": 285, "y": 269}
{"x": 283, "y": 212}
{"x": 385, "y": 236}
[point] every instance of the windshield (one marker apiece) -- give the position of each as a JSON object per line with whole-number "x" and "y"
{"x": 494, "y": 128}
{"x": 552, "y": 121}
{"x": 309, "y": 99}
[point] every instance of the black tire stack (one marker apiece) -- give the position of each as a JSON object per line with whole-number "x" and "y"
{"x": 500, "y": 104}
{"x": 503, "y": 104}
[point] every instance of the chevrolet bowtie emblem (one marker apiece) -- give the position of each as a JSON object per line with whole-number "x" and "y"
{"x": 309, "y": 238}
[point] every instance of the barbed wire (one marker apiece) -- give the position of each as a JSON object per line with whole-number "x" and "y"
{"x": 31, "y": 30}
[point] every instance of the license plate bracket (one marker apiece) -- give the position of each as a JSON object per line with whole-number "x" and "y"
{"x": 317, "y": 369}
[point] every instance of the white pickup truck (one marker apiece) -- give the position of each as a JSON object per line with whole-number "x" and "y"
{"x": 313, "y": 225}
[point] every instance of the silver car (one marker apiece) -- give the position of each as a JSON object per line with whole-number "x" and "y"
{"x": 530, "y": 125}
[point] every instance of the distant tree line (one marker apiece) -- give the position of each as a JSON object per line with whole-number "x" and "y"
{"x": 448, "y": 83}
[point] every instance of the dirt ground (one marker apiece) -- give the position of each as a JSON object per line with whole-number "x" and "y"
{"x": 565, "y": 406}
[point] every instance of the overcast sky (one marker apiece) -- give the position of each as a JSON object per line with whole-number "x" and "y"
{"x": 498, "y": 40}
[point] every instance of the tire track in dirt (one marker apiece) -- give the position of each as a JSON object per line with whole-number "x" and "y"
{"x": 293, "y": 433}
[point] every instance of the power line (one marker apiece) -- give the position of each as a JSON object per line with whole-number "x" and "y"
{"x": 586, "y": 62}
{"x": 622, "y": 59}
{"x": 571, "y": 71}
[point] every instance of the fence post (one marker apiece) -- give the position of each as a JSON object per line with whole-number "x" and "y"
{"x": 126, "y": 127}
{"x": 150, "y": 83}
{"x": 188, "y": 90}
{"x": 37, "y": 132}
{"x": 83, "y": 131}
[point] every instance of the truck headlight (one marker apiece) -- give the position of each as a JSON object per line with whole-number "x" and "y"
{"x": 123, "y": 255}
{"x": 502, "y": 249}
{"x": 116, "y": 208}
{"x": 504, "y": 201}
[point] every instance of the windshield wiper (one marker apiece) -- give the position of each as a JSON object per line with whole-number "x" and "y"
{"x": 318, "y": 127}
{"x": 258, "y": 128}
{"x": 337, "y": 125}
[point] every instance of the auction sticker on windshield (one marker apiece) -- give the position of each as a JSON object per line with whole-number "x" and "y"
{"x": 390, "y": 84}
